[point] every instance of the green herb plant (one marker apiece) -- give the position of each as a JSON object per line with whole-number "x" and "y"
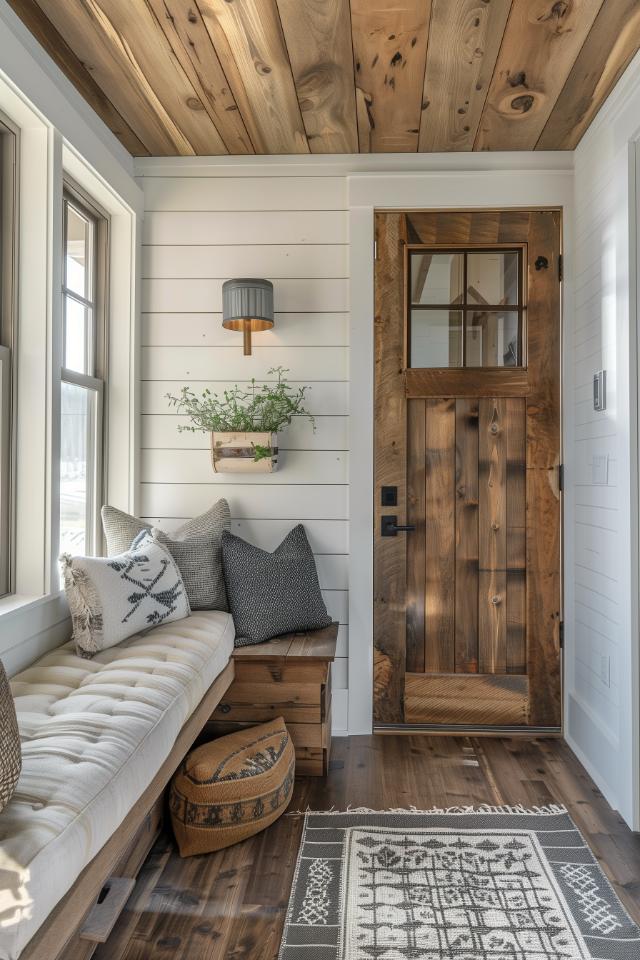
{"x": 264, "y": 409}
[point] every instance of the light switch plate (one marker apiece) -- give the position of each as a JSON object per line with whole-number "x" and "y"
{"x": 600, "y": 390}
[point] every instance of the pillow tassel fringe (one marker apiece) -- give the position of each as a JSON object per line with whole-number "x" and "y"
{"x": 85, "y": 607}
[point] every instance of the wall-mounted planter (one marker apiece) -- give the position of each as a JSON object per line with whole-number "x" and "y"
{"x": 236, "y": 452}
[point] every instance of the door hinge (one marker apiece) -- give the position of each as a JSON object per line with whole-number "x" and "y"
{"x": 560, "y": 268}
{"x": 561, "y": 477}
{"x": 561, "y": 634}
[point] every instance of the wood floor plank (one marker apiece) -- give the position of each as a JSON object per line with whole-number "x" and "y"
{"x": 233, "y": 903}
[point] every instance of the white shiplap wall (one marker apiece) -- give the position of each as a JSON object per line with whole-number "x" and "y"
{"x": 601, "y": 569}
{"x": 200, "y": 231}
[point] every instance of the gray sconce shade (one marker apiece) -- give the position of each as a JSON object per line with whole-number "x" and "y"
{"x": 247, "y": 305}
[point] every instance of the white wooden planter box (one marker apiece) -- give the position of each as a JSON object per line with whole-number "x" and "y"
{"x": 235, "y": 452}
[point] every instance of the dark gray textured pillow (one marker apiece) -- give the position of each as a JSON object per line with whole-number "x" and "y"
{"x": 272, "y": 593}
{"x": 197, "y": 549}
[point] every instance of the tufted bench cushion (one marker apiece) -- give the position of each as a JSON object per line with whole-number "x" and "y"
{"x": 94, "y": 734}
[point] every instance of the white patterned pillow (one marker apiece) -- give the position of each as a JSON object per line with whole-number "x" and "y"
{"x": 111, "y": 598}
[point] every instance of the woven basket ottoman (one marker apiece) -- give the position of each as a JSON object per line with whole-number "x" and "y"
{"x": 231, "y": 788}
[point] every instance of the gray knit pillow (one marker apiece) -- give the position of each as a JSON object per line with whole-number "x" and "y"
{"x": 197, "y": 549}
{"x": 120, "y": 529}
{"x": 272, "y": 593}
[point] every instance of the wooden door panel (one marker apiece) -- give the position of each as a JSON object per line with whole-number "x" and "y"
{"x": 439, "y": 473}
{"x": 467, "y": 608}
{"x": 467, "y": 699}
{"x": 416, "y": 546}
{"x": 467, "y": 543}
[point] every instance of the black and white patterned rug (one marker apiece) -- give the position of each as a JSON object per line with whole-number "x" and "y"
{"x": 499, "y": 883}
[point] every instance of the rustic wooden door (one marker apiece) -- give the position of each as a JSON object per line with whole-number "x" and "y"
{"x": 467, "y": 600}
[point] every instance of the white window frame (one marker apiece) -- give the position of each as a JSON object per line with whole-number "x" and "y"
{"x": 9, "y": 152}
{"x": 96, "y": 348}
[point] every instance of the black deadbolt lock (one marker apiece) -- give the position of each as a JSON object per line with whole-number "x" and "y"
{"x": 541, "y": 263}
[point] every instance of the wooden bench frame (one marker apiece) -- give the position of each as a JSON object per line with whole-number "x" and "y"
{"x": 60, "y": 936}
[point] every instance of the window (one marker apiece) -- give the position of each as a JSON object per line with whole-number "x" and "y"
{"x": 83, "y": 374}
{"x": 8, "y": 255}
{"x": 466, "y": 308}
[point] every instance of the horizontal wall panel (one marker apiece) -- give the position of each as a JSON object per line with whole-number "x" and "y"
{"x": 337, "y": 604}
{"x": 340, "y": 673}
{"x": 230, "y": 229}
{"x": 287, "y": 260}
{"x": 323, "y": 399}
{"x": 245, "y": 193}
{"x": 285, "y": 501}
{"x": 330, "y": 433}
{"x": 326, "y": 537}
{"x": 197, "y": 363}
{"x": 294, "y": 467}
{"x": 205, "y": 329}
{"x": 290, "y": 296}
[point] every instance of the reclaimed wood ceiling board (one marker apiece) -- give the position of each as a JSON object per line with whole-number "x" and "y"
{"x": 274, "y": 77}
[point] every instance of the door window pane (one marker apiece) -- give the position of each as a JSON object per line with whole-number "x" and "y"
{"x": 77, "y": 458}
{"x": 78, "y": 253}
{"x": 77, "y": 326}
{"x": 437, "y": 278}
{"x": 436, "y": 338}
{"x": 492, "y": 278}
{"x": 492, "y": 339}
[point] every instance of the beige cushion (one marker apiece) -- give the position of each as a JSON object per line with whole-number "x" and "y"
{"x": 10, "y": 755}
{"x": 94, "y": 734}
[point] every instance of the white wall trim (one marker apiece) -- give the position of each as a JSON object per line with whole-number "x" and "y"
{"x": 313, "y": 165}
{"x": 448, "y": 190}
{"x": 58, "y": 130}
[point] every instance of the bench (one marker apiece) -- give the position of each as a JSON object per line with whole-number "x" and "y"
{"x": 101, "y": 740}
{"x": 287, "y": 677}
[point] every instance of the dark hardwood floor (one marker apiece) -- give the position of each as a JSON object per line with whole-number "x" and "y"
{"x": 232, "y": 904}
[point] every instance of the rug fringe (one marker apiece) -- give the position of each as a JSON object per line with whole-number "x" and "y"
{"x": 552, "y": 809}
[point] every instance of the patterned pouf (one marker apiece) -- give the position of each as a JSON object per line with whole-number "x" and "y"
{"x": 231, "y": 788}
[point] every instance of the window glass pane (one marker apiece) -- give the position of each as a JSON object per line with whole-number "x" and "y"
{"x": 77, "y": 459}
{"x": 76, "y": 336}
{"x": 492, "y": 278}
{"x": 436, "y": 338}
{"x": 437, "y": 277}
{"x": 78, "y": 253}
{"x": 493, "y": 339}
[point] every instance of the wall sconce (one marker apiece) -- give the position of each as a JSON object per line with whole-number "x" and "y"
{"x": 247, "y": 305}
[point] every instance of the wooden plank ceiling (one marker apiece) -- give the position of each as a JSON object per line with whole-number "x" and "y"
{"x": 210, "y": 77}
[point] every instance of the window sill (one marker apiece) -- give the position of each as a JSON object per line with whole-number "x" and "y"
{"x": 20, "y": 603}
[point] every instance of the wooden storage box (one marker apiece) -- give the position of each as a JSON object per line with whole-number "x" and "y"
{"x": 235, "y": 452}
{"x": 288, "y": 677}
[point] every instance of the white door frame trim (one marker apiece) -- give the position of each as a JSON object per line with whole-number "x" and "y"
{"x": 432, "y": 190}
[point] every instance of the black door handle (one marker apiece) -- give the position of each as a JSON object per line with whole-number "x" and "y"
{"x": 389, "y": 527}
